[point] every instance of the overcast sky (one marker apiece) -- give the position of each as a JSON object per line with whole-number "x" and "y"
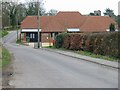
{"x": 83, "y": 6}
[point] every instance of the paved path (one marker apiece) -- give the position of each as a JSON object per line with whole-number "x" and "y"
{"x": 39, "y": 68}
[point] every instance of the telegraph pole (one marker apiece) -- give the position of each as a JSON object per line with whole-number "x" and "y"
{"x": 38, "y": 27}
{"x": 16, "y": 19}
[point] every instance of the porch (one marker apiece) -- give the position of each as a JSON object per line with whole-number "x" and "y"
{"x": 31, "y": 38}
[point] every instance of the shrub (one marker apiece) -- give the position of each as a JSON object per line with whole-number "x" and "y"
{"x": 19, "y": 41}
{"x": 99, "y": 43}
{"x": 59, "y": 40}
{"x": 87, "y": 43}
{"x": 4, "y": 33}
{"x": 66, "y": 41}
{"x": 98, "y": 49}
{"x": 84, "y": 42}
{"x": 112, "y": 41}
{"x": 75, "y": 41}
{"x": 112, "y": 27}
{"x": 92, "y": 42}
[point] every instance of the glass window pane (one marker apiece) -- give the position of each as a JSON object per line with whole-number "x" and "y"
{"x": 33, "y": 35}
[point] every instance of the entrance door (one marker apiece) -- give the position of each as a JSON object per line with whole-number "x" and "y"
{"x": 33, "y": 36}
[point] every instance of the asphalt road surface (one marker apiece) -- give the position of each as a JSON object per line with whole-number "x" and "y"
{"x": 38, "y": 68}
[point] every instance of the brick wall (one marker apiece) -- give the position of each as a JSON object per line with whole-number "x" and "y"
{"x": 45, "y": 37}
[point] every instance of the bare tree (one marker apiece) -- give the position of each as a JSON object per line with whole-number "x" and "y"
{"x": 13, "y": 13}
{"x": 32, "y": 8}
{"x": 52, "y": 12}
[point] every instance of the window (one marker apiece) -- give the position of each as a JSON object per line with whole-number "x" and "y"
{"x": 32, "y": 35}
{"x": 107, "y": 30}
{"x": 53, "y": 36}
{"x": 73, "y": 29}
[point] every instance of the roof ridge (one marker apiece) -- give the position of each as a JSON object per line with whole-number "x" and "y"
{"x": 68, "y": 12}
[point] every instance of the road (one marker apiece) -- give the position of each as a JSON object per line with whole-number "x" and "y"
{"x": 38, "y": 68}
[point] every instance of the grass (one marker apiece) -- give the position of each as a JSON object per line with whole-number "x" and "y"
{"x": 4, "y": 53}
{"x": 88, "y": 54}
{"x": 3, "y": 33}
{"x": 6, "y": 57}
{"x": 9, "y": 28}
{"x": 53, "y": 47}
{"x": 97, "y": 56}
{"x": 18, "y": 41}
{"x": 0, "y": 56}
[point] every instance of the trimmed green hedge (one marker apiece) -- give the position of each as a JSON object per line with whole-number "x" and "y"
{"x": 98, "y": 43}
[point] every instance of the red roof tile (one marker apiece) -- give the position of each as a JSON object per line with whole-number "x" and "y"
{"x": 32, "y": 21}
{"x": 65, "y": 20}
{"x": 97, "y": 23}
{"x": 70, "y": 19}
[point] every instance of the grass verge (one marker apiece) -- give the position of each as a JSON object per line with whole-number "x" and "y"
{"x": 3, "y": 33}
{"x": 18, "y": 41}
{"x": 97, "y": 56}
{"x": 88, "y": 54}
{"x": 6, "y": 58}
{"x": 52, "y": 47}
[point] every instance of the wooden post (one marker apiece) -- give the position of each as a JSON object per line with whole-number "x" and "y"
{"x": 25, "y": 37}
{"x": 50, "y": 39}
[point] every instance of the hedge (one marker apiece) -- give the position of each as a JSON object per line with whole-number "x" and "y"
{"x": 98, "y": 43}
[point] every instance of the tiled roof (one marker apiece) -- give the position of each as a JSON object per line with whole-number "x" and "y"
{"x": 70, "y": 19}
{"x": 53, "y": 26}
{"x": 32, "y": 21}
{"x": 65, "y": 20}
{"x": 96, "y": 23}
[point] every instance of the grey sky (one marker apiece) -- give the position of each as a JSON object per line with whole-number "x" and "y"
{"x": 83, "y": 6}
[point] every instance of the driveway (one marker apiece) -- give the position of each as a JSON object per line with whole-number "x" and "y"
{"x": 38, "y": 68}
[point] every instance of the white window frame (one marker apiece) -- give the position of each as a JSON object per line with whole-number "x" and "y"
{"x": 53, "y": 36}
{"x": 107, "y": 30}
{"x": 30, "y": 30}
{"x": 73, "y": 29}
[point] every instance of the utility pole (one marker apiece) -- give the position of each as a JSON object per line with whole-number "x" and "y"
{"x": 38, "y": 26}
{"x": 16, "y": 18}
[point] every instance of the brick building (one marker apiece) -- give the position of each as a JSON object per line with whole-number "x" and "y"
{"x": 50, "y": 26}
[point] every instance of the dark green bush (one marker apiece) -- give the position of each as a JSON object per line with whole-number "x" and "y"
{"x": 4, "y": 32}
{"x": 112, "y": 27}
{"x": 59, "y": 40}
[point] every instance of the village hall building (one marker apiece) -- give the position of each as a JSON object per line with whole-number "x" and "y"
{"x": 71, "y": 22}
